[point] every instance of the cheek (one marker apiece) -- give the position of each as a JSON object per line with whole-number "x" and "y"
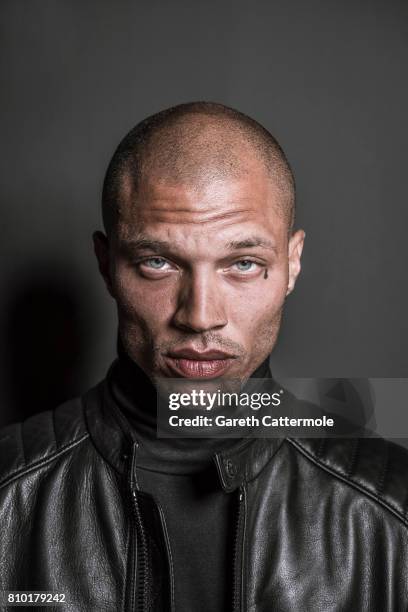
{"x": 260, "y": 304}
{"x": 135, "y": 303}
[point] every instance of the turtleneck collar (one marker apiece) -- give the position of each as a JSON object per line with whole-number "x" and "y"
{"x": 136, "y": 397}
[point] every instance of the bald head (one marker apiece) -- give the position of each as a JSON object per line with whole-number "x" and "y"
{"x": 192, "y": 144}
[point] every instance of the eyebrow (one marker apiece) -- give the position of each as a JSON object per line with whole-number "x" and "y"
{"x": 251, "y": 242}
{"x": 145, "y": 243}
{"x": 157, "y": 246}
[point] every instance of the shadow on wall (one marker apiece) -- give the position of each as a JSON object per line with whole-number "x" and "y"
{"x": 46, "y": 339}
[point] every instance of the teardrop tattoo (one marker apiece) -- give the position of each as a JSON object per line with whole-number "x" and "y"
{"x": 266, "y": 273}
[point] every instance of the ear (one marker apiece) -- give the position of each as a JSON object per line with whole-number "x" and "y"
{"x": 295, "y": 248}
{"x": 101, "y": 248}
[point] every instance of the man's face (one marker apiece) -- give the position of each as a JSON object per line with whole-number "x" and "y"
{"x": 200, "y": 274}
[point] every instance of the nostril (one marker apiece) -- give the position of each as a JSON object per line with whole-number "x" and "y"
{"x": 198, "y": 322}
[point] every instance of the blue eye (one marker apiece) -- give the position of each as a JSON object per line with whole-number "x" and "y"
{"x": 245, "y": 265}
{"x": 156, "y": 263}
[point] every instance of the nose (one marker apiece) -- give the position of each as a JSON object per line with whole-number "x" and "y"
{"x": 201, "y": 307}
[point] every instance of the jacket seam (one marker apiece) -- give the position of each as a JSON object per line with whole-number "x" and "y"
{"x": 392, "y": 509}
{"x": 26, "y": 469}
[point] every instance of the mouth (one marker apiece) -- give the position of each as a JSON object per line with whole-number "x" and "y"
{"x": 190, "y": 363}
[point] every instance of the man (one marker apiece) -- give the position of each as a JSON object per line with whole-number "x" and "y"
{"x": 199, "y": 255}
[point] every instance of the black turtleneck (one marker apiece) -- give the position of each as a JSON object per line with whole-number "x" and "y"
{"x": 180, "y": 475}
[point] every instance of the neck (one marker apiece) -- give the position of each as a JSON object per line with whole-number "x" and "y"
{"x": 135, "y": 395}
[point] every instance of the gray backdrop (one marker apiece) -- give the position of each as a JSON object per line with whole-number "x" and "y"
{"x": 329, "y": 79}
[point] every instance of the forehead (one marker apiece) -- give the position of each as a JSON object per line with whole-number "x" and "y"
{"x": 217, "y": 207}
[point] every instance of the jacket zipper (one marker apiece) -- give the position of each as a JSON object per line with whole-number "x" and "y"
{"x": 238, "y": 552}
{"x": 169, "y": 556}
{"x": 140, "y": 559}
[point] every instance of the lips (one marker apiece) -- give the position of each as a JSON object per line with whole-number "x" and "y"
{"x": 190, "y": 363}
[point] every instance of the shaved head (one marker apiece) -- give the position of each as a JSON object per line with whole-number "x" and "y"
{"x": 192, "y": 144}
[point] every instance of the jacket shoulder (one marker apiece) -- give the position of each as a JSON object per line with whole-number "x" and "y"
{"x": 375, "y": 466}
{"x": 40, "y": 438}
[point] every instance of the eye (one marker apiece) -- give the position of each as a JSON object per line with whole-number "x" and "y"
{"x": 245, "y": 265}
{"x": 154, "y": 267}
{"x": 155, "y": 263}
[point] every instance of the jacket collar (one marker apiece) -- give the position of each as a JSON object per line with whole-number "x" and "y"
{"x": 114, "y": 439}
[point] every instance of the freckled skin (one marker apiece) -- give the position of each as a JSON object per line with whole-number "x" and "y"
{"x": 197, "y": 291}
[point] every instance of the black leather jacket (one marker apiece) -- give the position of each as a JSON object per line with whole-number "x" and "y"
{"x": 321, "y": 525}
